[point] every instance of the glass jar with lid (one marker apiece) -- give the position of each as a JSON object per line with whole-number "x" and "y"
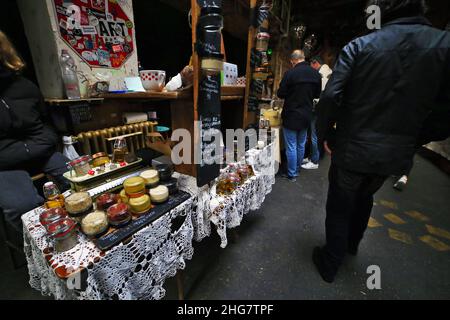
{"x": 120, "y": 150}
{"x": 78, "y": 205}
{"x": 262, "y": 41}
{"x": 119, "y": 215}
{"x": 64, "y": 232}
{"x": 95, "y": 224}
{"x": 106, "y": 200}
{"x": 54, "y": 198}
{"x": 100, "y": 159}
{"x": 228, "y": 183}
{"x": 81, "y": 166}
{"x": 140, "y": 205}
{"x": 52, "y": 215}
{"x": 244, "y": 172}
{"x": 134, "y": 185}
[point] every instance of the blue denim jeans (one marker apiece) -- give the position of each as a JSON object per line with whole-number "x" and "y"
{"x": 315, "y": 153}
{"x": 295, "y": 142}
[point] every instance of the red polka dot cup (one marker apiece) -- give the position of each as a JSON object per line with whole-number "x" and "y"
{"x": 153, "y": 80}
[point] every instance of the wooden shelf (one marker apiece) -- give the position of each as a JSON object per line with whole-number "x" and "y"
{"x": 232, "y": 98}
{"x": 235, "y": 91}
{"x": 183, "y": 94}
{"x": 61, "y": 102}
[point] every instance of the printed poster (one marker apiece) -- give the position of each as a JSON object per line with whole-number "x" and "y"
{"x": 99, "y": 31}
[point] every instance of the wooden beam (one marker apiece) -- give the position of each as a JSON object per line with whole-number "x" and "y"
{"x": 250, "y": 44}
{"x": 195, "y": 11}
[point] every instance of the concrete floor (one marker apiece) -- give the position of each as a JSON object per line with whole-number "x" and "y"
{"x": 271, "y": 258}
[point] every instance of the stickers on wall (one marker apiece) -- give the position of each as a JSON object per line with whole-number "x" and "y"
{"x": 99, "y": 31}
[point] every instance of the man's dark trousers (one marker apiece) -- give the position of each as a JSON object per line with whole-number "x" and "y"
{"x": 349, "y": 205}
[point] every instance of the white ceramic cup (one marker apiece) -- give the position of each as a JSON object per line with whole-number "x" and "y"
{"x": 153, "y": 80}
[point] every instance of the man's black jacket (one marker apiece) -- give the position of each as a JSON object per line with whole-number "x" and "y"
{"x": 389, "y": 92}
{"x": 299, "y": 87}
{"x": 25, "y": 136}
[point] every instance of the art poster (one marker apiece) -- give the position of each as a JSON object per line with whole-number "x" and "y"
{"x": 99, "y": 31}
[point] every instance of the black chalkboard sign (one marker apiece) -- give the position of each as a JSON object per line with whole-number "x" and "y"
{"x": 209, "y": 155}
{"x": 114, "y": 238}
{"x": 209, "y": 110}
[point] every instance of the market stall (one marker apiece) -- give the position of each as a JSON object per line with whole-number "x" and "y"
{"x": 127, "y": 225}
{"x": 137, "y": 266}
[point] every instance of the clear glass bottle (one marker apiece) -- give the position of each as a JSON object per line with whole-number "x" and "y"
{"x": 120, "y": 150}
{"x": 69, "y": 75}
{"x": 54, "y": 198}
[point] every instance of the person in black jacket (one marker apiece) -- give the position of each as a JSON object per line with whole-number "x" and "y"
{"x": 389, "y": 93}
{"x": 299, "y": 87}
{"x": 27, "y": 141}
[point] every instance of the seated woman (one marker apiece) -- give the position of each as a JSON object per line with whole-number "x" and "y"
{"x": 27, "y": 141}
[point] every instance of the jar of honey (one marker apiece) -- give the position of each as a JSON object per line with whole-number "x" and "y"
{"x": 228, "y": 183}
{"x": 100, "y": 159}
{"x": 54, "y": 198}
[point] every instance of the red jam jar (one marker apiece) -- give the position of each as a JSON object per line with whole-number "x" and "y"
{"x": 52, "y": 215}
{"x": 119, "y": 215}
{"x": 65, "y": 234}
{"x": 105, "y": 201}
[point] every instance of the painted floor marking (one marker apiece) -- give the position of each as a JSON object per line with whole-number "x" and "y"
{"x": 388, "y": 204}
{"x": 441, "y": 233}
{"x": 435, "y": 243}
{"x": 400, "y": 236}
{"x": 417, "y": 215}
{"x": 373, "y": 223}
{"x": 394, "y": 218}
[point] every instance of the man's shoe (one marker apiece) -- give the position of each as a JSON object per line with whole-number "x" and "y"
{"x": 317, "y": 258}
{"x": 291, "y": 179}
{"x": 305, "y": 161}
{"x": 310, "y": 166}
{"x": 401, "y": 183}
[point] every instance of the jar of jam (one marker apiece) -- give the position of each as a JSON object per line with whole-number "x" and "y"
{"x": 106, "y": 200}
{"x": 52, "y": 215}
{"x": 64, "y": 232}
{"x": 81, "y": 166}
{"x": 119, "y": 215}
{"x": 100, "y": 159}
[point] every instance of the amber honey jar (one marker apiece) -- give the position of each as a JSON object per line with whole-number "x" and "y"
{"x": 245, "y": 172}
{"x": 228, "y": 183}
{"x": 100, "y": 159}
{"x": 54, "y": 199}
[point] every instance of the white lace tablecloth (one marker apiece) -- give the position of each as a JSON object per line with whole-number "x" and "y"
{"x": 138, "y": 269}
{"x": 228, "y": 212}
